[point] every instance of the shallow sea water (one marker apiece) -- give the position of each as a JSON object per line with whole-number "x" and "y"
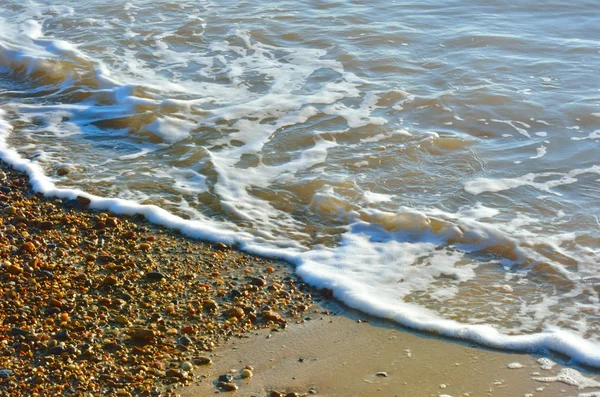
{"x": 432, "y": 162}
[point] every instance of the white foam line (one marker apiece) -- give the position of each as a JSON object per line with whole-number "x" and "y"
{"x": 354, "y": 295}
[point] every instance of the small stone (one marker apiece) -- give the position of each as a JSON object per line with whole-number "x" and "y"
{"x": 62, "y": 171}
{"x": 220, "y": 246}
{"x": 312, "y": 390}
{"x": 56, "y": 350}
{"x": 63, "y": 335}
{"x": 28, "y": 247}
{"x": 225, "y": 378}
{"x": 275, "y": 393}
{"x": 382, "y": 374}
{"x": 292, "y": 394}
{"x": 20, "y": 332}
{"x": 236, "y": 312}
{"x": 144, "y": 246}
{"x": 130, "y": 235}
{"x": 227, "y": 386}
{"x": 6, "y": 373}
{"x": 187, "y": 366}
{"x": 155, "y": 276}
{"x": 202, "y": 360}
{"x": 112, "y": 222}
{"x": 14, "y": 269}
{"x": 110, "y": 281}
{"x": 270, "y": 315}
{"x": 246, "y": 373}
{"x": 210, "y": 304}
{"x": 55, "y": 302}
{"x": 174, "y": 373}
{"x": 46, "y": 225}
{"x": 259, "y": 282}
{"x": 121, "y": 319}
{"x": 83, "y": 200}
{"x": 185, "y": 340}
{"x": 143, "y": 334}
{"x": 10, "y": 210}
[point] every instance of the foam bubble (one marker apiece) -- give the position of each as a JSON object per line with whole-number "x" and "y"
{"x": 570, "y": 377}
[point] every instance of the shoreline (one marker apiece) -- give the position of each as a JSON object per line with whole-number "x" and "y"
{"x": 95, "y": 304}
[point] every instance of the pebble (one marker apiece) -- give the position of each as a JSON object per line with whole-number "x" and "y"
{"x": 225, "y": 378}
{"x": 63, "y": 171}
{"x": 202, "y": 360}
{"x": 270, "y": 315}
{"x": 382, "y": 374}
{"x": 259, "y": 282}
{"x": 143, "y": 334}
{"x": 83, "y": 200}
{"x": 174, "y": 373}
{"x": 155, "y": 276}
{"x": 187, "y": 366}
{"x": 227, "y": 386}
{"x": 246, "y": 373}
{"x": 6, "y": 373}
{"x": 14, "y": 269}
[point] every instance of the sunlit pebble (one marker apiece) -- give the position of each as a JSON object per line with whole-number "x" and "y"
{"x": 246, "y": 373}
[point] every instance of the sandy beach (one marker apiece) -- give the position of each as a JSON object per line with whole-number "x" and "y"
{"x": 94, "y": 304}
{"x": 336, "y": 355}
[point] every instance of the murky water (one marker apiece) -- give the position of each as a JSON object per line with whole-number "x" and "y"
{"x": 428, "y": 161}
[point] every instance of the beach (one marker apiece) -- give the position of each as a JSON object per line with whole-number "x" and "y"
{"x": 311, "y": 197}
{"x": 96, "y": 304}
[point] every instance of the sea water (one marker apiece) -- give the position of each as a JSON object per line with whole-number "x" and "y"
{"x": 436, "y": 163}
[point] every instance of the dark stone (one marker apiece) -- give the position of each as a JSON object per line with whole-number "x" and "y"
{"x": 19, "y": 332}
{"x": 226, "y": 378}
{"x": 126, "y": 297}
{"x": 57, "y": 350}
{"x": 44, "y": 273}
{"x": 227, "y": 386}
{"x": 46, "y": 225}
{"x": 259, "y": 282}
{"x": 185, "y": 340}
{"x": 155, "y": 276}
{"x": 63, "y": 335}
{"x": 6, "y": 373}
{"x": 83, "y": 200}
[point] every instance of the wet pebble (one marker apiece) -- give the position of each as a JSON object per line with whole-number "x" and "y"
{"x": 187, "y": 366}
{"x": 246, "y": 373}
{"x": 83, "y": 200}
{"x": 155, "y": 276}
{"x": 227, "y": 386}
{"x": 6, "y": 373}
{"x": 225, "y": 378}
{"x": 202, "y": 360}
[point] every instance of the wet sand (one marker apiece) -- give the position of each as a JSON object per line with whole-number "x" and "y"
{"x": 335, "y": 355}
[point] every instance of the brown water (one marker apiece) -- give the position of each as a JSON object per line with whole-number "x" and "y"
{"x": 426, "y": 160}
